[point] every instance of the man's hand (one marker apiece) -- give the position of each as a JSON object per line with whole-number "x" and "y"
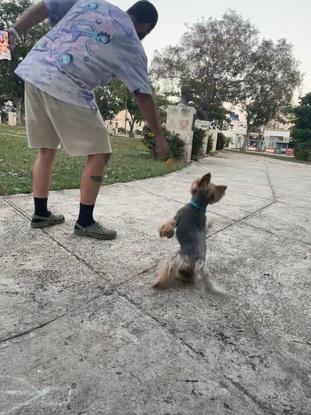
{"x": 162, "y": 148}
{"x": 12, "y": 40}
{"x": 148, "y": 109}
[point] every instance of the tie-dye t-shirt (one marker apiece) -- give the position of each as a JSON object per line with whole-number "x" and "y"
{"x": 90, "y": 43}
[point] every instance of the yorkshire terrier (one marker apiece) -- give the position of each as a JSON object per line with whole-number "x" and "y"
{"x": 191, "y": 230}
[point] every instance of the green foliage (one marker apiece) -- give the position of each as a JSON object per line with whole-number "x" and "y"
{"x": 209, "y": 144}
{"x": 224, "y": 60}
{"x": 210, "y": 59}
{"x": 227, "y": 141}
{"x": 115, "y": 97}
{"x": 301, "y": 132}
{"x": 198, "y": 138}
{"x": 176, "y": 145}
{"x": 267, "y": 89}
{"x": 11, "y": 86}
{"x": 221, "y": 141}
{"x": 122, "y": 131}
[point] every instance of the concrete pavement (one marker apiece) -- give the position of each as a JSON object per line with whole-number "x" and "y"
{"x": 82, "y": 332}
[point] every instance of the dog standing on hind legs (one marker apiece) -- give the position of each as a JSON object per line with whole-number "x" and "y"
{"x": 191, "y": 230}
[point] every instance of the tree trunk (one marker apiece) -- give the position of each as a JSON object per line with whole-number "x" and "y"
{"x": 18, "y": 105}
{"x": 246, "y": 139}
{"x": 131, "y": 133}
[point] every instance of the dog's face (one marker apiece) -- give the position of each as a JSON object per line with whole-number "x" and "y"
{"x": 203, "y": 186}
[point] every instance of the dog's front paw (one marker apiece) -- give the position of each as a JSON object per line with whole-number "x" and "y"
{"x": 166, "y": 231}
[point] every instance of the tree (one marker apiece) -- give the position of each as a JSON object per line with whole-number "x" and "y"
{"x": 115, "y": 97}
{"x": 224, "y": 61}
{"x": 11, "y": 86}
{"x": 302, "y": 130}
{"x": 267, "y": 90}
{"x": 212, "y": 58}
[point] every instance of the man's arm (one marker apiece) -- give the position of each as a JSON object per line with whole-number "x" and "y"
{"x": 150, "y": 113}
{"x": 32, "y": 16}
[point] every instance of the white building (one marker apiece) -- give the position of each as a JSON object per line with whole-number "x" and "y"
{"x": 121, "y": 122}
{"x": 274, "y": 140}
{"x": 237, "y": 129}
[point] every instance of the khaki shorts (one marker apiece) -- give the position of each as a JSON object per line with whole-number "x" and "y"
{"x": 51, "y": 122}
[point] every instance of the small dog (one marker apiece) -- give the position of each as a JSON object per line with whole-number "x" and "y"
{"x": 191, "y": 231}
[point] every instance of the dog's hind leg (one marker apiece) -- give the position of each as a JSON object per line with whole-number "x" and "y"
{"x": 167, "y": 270}
{"x": 209, "y": 285}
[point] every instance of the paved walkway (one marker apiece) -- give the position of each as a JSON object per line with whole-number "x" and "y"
{"x": 82, "y": 332}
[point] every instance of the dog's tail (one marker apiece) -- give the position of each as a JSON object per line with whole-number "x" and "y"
{"x": 167, "y": 270}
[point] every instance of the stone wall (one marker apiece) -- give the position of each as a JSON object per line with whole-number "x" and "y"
{"x": 180, "y": 121}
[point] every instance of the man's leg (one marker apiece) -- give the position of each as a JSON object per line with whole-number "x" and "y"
{"x": 42, "y": 173}
{"x": 91, "y": 181}
{"x": 92, "y": 178}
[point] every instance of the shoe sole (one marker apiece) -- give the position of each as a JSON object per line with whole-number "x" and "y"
{"x": 95, "y": 236}
{"x": 42, "y": 225}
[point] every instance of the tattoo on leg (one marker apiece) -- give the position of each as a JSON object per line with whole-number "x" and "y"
{"x": 97, "y": 179}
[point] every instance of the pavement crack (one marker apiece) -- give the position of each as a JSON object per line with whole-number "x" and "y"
{"x": 59, "y": 317}
{"x": 270, "y": 184}
{"x": 200, "y": 356}
{"x": 267, "y": 410}
{"x": 243, "y": 218}
{"x": 77, "y": 257}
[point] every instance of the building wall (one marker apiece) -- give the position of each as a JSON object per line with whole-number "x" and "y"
{"x": 271, "y": 137}
{"x": 120, "y": 121}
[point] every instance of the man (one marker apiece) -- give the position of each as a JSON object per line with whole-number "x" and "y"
{"x": 90, "y": 43}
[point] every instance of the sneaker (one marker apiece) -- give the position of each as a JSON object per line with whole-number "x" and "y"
{"x": 40, "y": 222}
{"x": 95, "y": 231}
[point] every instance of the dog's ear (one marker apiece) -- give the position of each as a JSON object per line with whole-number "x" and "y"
{"x": 195, "y": 186}
{"x": 205, "y": 180}
{"x": 219, "y": 193}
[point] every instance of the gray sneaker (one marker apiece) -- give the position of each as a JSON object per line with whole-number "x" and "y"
{"x": 95, "y": 231}
{"x": 40, "y": 222}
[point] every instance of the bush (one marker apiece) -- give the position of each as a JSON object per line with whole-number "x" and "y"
{"x": 301, "y": 132}
{"x": 302, "y": 143}
{"x": 227, "y": 141}
{"x": 210, "y": 141}
{"x": 302, "y": 152}
{"x": 221, "y": 141}
{"x": 176, "y": 145}
{"x": 122, "y": 131}
{"x": 197, "y": 144}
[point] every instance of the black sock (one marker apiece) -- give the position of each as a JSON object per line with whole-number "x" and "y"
{"x": 86, "y": 215}
{"x": 41, "y": 207}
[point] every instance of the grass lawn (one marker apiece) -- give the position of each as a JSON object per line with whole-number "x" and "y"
{"x": 130, "y": 161}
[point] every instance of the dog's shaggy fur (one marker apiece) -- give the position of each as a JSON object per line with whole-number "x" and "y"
{"x": 191, "y": 229}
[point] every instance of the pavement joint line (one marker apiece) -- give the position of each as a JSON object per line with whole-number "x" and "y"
{"x": 79, "y": 259}
{"x": 199, "y": 356}
{"x": 161, "y": 324}
{"x": 114, "y": 289}
{"x": 47, "y": 323}
{"x": 267, "y": 410}
{"x": 181, "y": 202}
{"x": 243, "y": 219}
{"x": 270, "y": 184}
{"x": 276, "y": 235}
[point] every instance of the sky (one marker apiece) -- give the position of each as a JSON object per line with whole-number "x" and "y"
{"x": 275, "y": 19}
